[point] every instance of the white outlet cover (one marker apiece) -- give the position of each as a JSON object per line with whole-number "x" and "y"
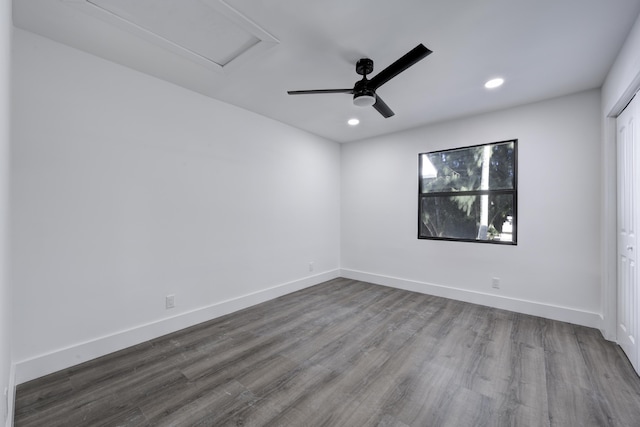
{"x": 170, "y": 301}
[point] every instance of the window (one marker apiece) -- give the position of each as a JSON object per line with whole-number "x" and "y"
{"x": 469, "y": 194}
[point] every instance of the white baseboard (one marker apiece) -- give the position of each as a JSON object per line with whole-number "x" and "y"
{"x": 554, "y": 312}
{"x": 63, "y": 358}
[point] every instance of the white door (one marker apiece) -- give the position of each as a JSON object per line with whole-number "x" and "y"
{"x": 628, "y": 198}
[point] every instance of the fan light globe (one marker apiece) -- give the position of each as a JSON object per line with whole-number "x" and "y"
{"x": 364, "y": 100}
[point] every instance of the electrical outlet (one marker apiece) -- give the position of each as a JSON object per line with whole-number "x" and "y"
{"x": 495, "y": 283}
{"x": 311, "y": 266}
{"x": 170, "y": 301}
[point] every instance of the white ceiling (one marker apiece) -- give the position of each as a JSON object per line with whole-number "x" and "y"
{"x": 542, "y": 48}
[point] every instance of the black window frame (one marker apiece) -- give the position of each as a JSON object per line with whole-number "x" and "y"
{"x": 448, "y": 194}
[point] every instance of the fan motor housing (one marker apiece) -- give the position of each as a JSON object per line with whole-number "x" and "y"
{"x": 363, "y": 95}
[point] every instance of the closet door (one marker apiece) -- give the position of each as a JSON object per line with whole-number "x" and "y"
{"x": 628, "y": 201}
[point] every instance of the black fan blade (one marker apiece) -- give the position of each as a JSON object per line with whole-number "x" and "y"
{"x": 414, "y": 55}
{"x": 383, "y": 108}
{"x": 307, "y": 92}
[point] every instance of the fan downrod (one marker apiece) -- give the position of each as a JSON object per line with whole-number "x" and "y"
{"x": 364, "y": 66}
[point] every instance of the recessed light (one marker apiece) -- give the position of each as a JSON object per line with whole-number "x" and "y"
{"x": 494, "y": 83}
{"x": 353, "y": 122}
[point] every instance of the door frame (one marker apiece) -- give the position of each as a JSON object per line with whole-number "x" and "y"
{"x": 610, "y": 212}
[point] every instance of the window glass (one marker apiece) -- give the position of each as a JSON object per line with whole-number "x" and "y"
{"x": 469, "y": 193}
{"x": 462, "y": 169}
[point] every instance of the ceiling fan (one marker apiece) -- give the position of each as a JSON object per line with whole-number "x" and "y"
{"x": 364, "y": 91}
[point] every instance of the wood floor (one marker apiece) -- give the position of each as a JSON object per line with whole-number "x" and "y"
{"x": 348, "y": 353}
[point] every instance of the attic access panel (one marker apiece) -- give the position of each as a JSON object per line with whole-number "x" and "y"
{"x": 209, "y": 32}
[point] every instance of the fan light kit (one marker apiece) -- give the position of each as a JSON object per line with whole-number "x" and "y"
{"x": 364, "y": 91}
{"x": 364, "y": 100}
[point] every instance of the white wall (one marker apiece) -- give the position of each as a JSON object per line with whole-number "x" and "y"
{"x": 127, "y": 189}
{"x": 622, "y": 81}
{"x": 5, "y": 287}
{"x": 554, "y": 271}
